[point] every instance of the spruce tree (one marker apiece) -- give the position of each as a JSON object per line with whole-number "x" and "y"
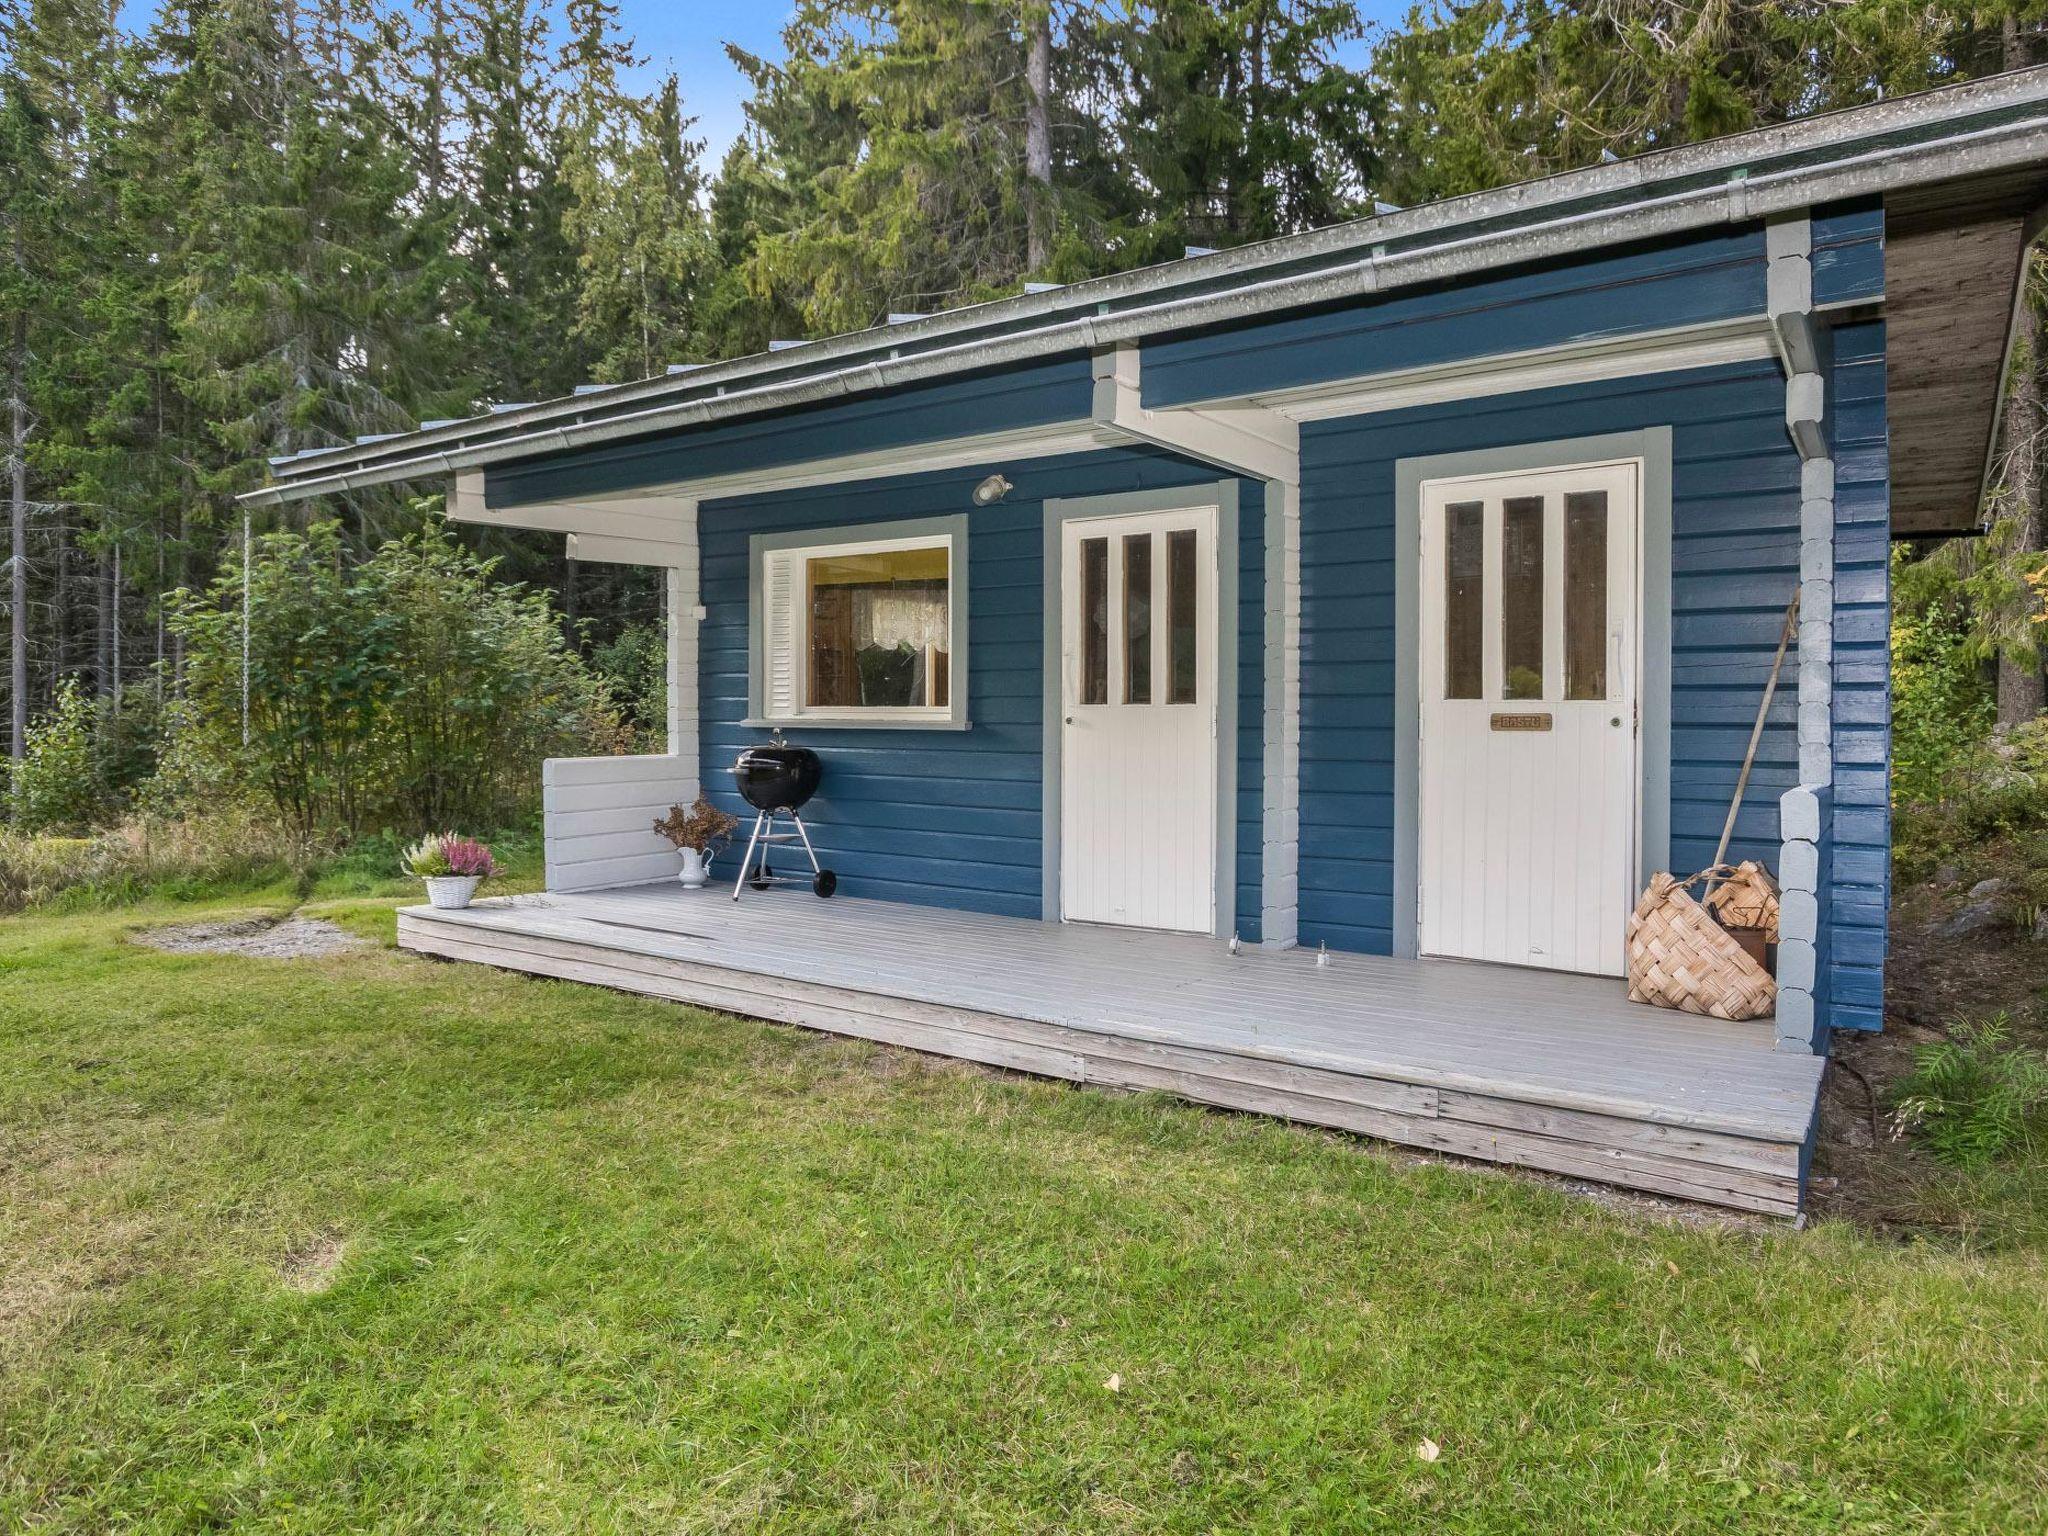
{"x": 1237, "y": 122}
{"x": 518, "y": 325}
{"x": 922, "y": 200}
{"x": 633, "y": 217}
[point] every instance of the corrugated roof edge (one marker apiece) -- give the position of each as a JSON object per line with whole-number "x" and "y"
{"x": 1954, "y": 130}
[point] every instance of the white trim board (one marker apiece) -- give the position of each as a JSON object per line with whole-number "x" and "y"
{"x": 1245, "y": 439}
{"x": 642, "y": 504}
{"x": 610, "y": 549}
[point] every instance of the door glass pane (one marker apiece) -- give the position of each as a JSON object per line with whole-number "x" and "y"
{"x": 1521, "y": 597}
{"x": 880, "y": 628}
{"x": 1095, "y": 621}
{"x": 1137, "y": 618}
{"x": 1464, "y": 598}
{"x": 1585, "y": 595}
{"x": 1180, "y": 615}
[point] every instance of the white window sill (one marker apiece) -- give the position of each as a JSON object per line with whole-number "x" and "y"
{"x": 860, "y": 723}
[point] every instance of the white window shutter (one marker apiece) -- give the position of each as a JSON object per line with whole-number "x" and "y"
{"x": 781, "y": 634}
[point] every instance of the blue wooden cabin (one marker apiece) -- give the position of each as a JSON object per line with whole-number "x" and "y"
{"x": 1403, "y": 589}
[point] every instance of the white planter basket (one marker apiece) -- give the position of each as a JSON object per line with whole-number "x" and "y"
{"x": 451, "y": 892}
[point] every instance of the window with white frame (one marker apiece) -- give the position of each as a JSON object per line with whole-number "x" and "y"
{"x": 862, "y": 631}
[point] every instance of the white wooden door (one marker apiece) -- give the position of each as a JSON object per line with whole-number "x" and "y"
{"x": 1138, "y": 732}
{"x": 1529, "y": 661}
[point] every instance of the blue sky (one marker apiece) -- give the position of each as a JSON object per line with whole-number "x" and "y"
{"x": 688, "y": 37}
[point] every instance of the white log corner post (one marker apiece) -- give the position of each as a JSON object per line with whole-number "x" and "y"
{"x": 1260, "y": 444}
{"x": 598, "y": 812}
{"x": 681, "y": 611}
{"x": 1806, "y": 813}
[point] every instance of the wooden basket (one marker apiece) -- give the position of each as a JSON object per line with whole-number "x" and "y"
{"x": 1680, "y": 957}
{"x": 1745, "y": 897}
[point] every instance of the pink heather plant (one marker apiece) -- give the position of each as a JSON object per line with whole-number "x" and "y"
{"x": 467, "y": 856}
{"x": 449, "y": 853}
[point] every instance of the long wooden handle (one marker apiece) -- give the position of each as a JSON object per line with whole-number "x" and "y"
{"x": 1756, "y": 732}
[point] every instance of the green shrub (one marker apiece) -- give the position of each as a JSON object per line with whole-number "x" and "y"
{"x": 412, "y": 691}
{"x": 634, "y": 666}
{"x": 84, "y": 763}
{"x": 55, "y": 787}
{"x": 483, "y": 688}
{"x": 1942, "y": 704}
{"x": 1960, "y": 788}
{"x": 127, "y": 741}
{"x": 1975, "y": 1096}
{"x": 1997, "y": 791}
{"x": 319, "y": 656}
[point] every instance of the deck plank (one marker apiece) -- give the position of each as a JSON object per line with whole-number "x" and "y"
{"x": 1540, "y": 1068}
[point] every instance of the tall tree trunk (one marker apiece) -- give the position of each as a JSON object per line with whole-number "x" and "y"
{"x": 184, "y": 567}
{"x": 435, "y": 128}
{"x": 60, "y": 600}
{"x": 1038, "y": 140}
{"x": 17, "y": 548}
{"x": 114, "y": 593}
{"x": 2020, "y": 690}
{"x": 103, "y": 661}
{"x": 157, "y": 670}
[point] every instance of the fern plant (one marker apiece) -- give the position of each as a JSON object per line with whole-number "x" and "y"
{"x": 1974, "y": 1096}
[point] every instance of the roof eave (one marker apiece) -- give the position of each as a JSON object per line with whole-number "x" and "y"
{"x": 1085, "y": 315}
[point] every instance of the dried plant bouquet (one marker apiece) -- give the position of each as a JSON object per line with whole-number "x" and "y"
{"x": 703, "y": 826}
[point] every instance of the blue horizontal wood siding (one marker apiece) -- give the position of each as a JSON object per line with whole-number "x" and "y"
{"x": 1735, "y": 558}
{"x": 1039, "y": 394}
{"x": 952, "y": 818}
{"x": 1711, "y": 277}
{"x": 1860, "y": 891}
{"x": 1848, "y": 253}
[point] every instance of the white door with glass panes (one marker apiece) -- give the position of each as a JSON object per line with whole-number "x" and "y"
{"x": 1529, "y": 665}
{"x": 1138, "y": 720}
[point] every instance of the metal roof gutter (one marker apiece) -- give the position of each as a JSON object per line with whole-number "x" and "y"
{"x": 1940, "y": 135}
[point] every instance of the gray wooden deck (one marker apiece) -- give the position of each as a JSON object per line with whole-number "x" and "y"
{"x": 1527, "y": 1067}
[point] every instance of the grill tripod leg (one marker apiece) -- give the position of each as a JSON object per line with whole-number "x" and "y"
{"x": 747, "y": 863}
{"x": 806, "y": 836}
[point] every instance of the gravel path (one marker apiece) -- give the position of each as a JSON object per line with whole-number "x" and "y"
{"x": 291, "y": 938}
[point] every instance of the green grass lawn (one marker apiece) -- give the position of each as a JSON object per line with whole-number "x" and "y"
{"x": 375, "y": 1243}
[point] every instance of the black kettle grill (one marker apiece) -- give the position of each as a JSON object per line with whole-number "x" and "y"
{"x": 776, "y": 780}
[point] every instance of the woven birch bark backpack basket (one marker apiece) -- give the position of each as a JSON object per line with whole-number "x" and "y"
{"x": 1679, "y": 955}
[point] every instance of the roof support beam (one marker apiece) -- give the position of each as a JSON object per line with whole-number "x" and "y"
{"x": 1247, "y": 439}
{"x": 1260, "y": 444}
